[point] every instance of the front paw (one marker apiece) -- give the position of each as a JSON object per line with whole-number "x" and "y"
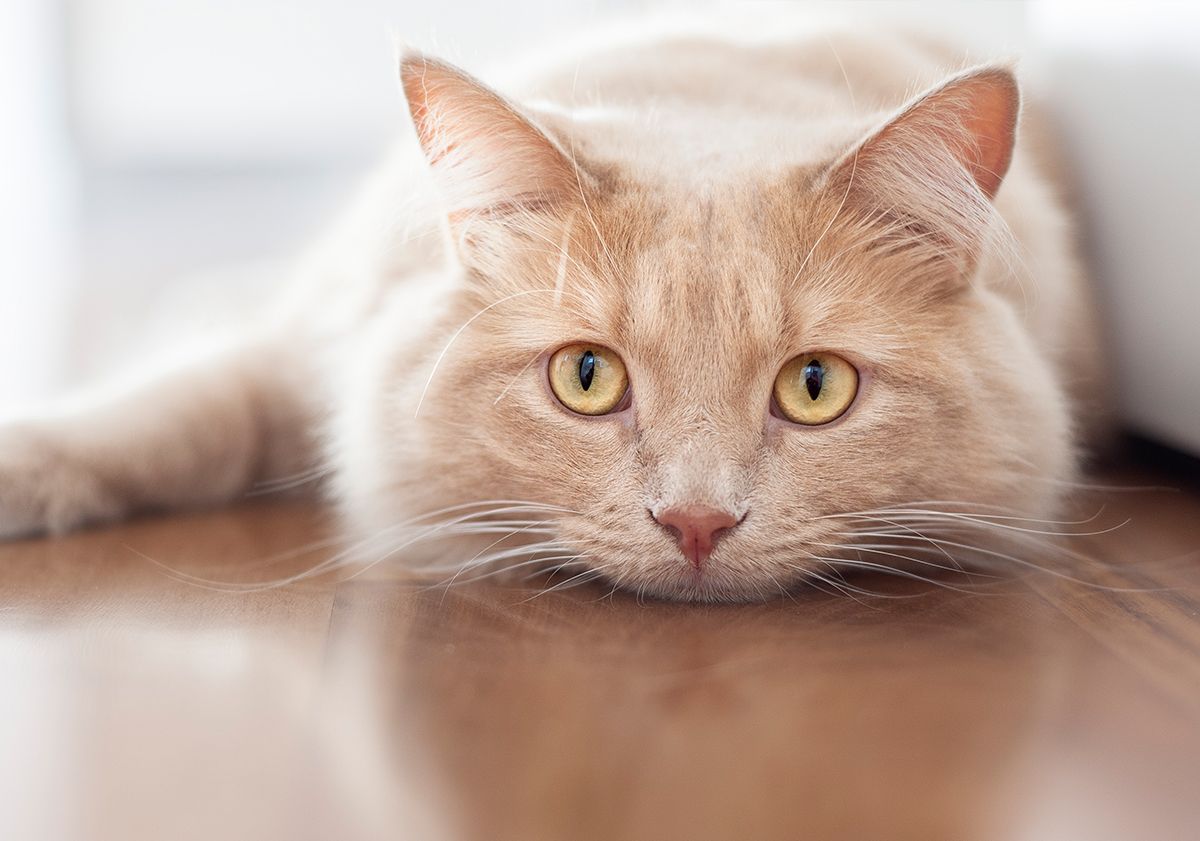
{"x": 43, "y": 490}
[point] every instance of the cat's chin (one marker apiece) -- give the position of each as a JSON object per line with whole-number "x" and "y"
{"x": 689, "y": 586}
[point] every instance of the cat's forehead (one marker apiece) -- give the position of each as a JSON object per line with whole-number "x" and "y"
{"x": 709, "y": 285}
{"x": 701, "y": 269}
{"x": 724, "y": 270}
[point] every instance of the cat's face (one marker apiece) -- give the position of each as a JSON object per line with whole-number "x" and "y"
{"x": 691, "y": 480}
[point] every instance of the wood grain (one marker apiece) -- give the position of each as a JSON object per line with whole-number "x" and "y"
{"x": 138, "y": 702}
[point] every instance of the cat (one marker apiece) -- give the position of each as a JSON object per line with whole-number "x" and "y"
{"x": 694, "y": 314}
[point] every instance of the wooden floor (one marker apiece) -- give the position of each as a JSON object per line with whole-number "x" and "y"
{"x": 135, "y": 705}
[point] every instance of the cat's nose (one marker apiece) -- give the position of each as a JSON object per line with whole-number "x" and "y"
{"x": 697, "y": 528}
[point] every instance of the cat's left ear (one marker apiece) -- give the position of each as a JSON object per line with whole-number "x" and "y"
{"x": 489, "y": 158}
{"x": 933, "y": 168}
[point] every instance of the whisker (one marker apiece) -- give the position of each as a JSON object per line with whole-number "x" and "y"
{"x": 877, "y": 549}
{"x": 1023, "y": 562}
{"x": 929, "y": 517}
{"x": 889, "y": 570}
{"x": 510, "y": 568}
{"x": 920, "y": 506}
{"x": 840, "y": 588}
{"x": 910, "y": 529}
{"x": 589, "y": 574}
{"x": 483, "y": 551}
{"x": 284, "y": 483}
{"x": 452, "y": 527}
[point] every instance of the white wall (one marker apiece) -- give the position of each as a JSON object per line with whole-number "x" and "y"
{"x": 270, "y": 82}
{"x": 1125, "y": 83}
{"x": 274, "y": 81}
{"x": 36, "y": 205}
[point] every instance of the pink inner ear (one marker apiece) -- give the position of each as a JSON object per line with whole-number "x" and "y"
{"x": 989, "y": 116}
{"x": 973, "y": 116}
{"x": 925, "y": 179}
{"x": 485, "y": 154}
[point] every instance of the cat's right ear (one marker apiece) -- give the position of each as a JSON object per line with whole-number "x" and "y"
{"x": 488, "y": 158}
{"x": 930, "y": 172}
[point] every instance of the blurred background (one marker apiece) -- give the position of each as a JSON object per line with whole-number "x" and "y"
{"x": 147, "y": 141}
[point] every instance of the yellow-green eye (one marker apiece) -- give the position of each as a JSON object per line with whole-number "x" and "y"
{"x": 588, "y": 379}
{"x": 815, "y": 388}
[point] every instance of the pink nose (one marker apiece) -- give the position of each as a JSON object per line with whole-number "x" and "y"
{"x": 696, "y": 527}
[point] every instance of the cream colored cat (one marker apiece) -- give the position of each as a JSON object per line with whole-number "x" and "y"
{"x": 692, "y": 314}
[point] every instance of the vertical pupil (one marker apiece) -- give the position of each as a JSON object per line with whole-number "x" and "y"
{"x": 814, "y": 375}
{"x": 587, "y": 369}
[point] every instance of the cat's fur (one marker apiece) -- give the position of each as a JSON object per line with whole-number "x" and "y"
{"x": 707, "y": 207}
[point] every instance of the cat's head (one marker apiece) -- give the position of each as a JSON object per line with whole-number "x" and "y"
{"x": 703, "y": 371}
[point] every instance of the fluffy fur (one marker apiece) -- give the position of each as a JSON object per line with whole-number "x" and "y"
{"x": 708, "y": 207}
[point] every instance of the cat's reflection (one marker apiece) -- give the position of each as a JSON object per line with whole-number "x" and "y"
{"x": 579, "y": 714}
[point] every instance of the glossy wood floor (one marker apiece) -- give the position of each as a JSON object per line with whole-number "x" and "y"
{"x": 134, "y": 705}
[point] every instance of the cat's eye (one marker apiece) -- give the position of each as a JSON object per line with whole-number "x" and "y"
{"x": 815, "y": 388}
{"x": 588, "y": 379}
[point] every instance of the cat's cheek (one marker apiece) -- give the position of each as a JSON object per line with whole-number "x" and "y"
{"x": 585, "y": 452}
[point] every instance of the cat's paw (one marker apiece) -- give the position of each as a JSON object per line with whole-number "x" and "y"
{"x": 42, "y": 491}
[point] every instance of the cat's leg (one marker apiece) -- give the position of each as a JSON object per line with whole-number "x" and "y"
{"x": 200, "y": 435}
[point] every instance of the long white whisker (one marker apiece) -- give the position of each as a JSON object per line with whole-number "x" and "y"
{"x": 587, "y": 575}
{"x": 834, "y": 563}
{"x": 889, "y": 570}
{"x": 484, "y": 551}
{"x": 921, "y": 506}
{"x": 859, "y": 547}
{"x": 285, "y": 483}
{"x": 510, "y": 568}
{"x": 456, "y": 525}
{"x": 930, "y": 517}
{"x": 910, "y": 529}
